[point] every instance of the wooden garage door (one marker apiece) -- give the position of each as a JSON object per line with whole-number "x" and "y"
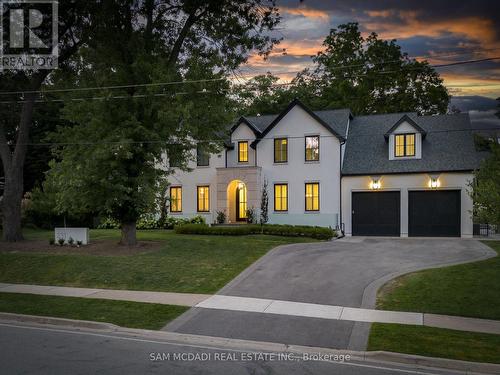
{"x": 376, "y": 213}
{"x": 434, "y": 213}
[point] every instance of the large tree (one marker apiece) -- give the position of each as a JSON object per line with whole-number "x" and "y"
{"x": 17, "y": 118}
{"x": 366, "y": 74}
{"x": 486, "y": 188}
{"x": 112, "y": 160}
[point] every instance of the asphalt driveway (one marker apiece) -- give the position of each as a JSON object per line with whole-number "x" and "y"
{"x": 345, "y": 272}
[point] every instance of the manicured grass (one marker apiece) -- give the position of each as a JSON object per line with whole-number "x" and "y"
{"x": 185, "y": 263}
{"x": 471, "y": 290}
{"x": 435, "y": 342}
{"x": 122, "y": 313}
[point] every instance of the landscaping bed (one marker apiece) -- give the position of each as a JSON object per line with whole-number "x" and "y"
{"x": 121, "y": 313}
{"x": 96, "y": 247}
{"x": 320, "y": 233}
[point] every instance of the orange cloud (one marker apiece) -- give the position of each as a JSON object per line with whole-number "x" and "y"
{"x": 470, "y": 84}
{"x": 409, "y": 25}
{"x": 306, "y": 12}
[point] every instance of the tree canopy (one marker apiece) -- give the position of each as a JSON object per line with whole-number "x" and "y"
{"x": 173, "y": 63}
{"x": 366, "y": 74}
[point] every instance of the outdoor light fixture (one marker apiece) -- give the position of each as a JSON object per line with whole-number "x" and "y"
{"x": 375, "y": 185}
{"x": 434, "y": 181}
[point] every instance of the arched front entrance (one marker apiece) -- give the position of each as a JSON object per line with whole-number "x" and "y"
{"x": 237, "y": 199}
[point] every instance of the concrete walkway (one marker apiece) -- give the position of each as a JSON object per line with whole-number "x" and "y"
{"x": 266, "y": 306}
{"x": 164, "y": 298}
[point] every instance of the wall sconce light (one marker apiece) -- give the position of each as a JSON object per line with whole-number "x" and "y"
{"x": 434, "y": 181}
{"x": 375, "y": 185}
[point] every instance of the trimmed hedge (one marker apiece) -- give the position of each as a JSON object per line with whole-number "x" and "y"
{"x": 320, "y": 233}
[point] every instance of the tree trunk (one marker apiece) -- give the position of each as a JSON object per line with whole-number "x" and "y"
{"x": 129, "y": 237}
{"x": 13, "y": 165}
{"x": 11, "y": 205}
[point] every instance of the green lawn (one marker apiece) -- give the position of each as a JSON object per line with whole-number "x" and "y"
{"x": 122, "y": 313}
{"x": 471, "y": 290}
{"x": 466, "y": 290}
{"x": 185, "y": 263}
{"x": 435, "y": 342}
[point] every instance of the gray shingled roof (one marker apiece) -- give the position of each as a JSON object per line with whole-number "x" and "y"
{"x": 336, "y": 118}
{"x": 261, "y": 122}
{"x": 449, "y": 145}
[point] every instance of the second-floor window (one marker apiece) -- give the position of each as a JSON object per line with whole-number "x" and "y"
{"x": 202, "y": 157}
{"x": 203, "y": 199}
{"x": 280, "y": 150}
{"x": 404, "y": 145}
{"x": 281, "y": 197}
{"x": 176, "y": 199}
{"x": 242, "y": 152}
{"x": 312, "y": 148}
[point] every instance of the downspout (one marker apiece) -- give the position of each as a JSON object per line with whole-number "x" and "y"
{"x": 255, "y": 155}
{"x": 340, "y": 190}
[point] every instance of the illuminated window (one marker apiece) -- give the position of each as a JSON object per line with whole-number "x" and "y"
{"x": 281, "y": 197}
{"x": 203, "y": 199}
{"x": 242, "y": 152}
{"x": 312, "y": 148}
{"x": 312, "y": 196}
{"x": 176, "y": 199}
{"x": 280, "y": 150}
{"x": 404, "y": 145}
{"x": 202, "y": 157}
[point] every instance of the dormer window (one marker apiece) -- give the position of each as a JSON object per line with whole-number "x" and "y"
{"x": 404, "y": 145}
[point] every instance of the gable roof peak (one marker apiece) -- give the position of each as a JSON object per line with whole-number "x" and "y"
{"x": 296, "y": 102}
{"x": 250, "y": 124}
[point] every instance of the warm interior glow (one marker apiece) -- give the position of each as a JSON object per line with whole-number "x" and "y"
{"x": 281, "y": 197}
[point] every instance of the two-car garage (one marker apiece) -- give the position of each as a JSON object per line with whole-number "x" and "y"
{"x": 431, "y": 213}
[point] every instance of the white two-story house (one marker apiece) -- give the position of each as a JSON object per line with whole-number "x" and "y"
{"x": 388, "y": 175}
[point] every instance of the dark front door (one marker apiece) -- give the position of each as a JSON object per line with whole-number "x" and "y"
{"x": 241, "y": 204}
{"x": 434, "y": 213}
{"x": 376, "y": 213}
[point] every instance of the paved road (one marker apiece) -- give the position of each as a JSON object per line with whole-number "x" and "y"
{"x": 36, "y": 350}
{"x": 344, "y": 273}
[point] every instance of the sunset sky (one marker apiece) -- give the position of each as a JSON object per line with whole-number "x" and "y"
{"x": 442, "y": 30}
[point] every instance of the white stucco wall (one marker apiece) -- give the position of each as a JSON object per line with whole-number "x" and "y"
{"x": 404, "y": 183}
{"x": 189, "y": 181}
{"x": 296, "y": 172}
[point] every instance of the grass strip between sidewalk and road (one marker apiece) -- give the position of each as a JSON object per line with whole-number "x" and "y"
{"x": 122, "y": 313}
{"x": 435, "y": 342}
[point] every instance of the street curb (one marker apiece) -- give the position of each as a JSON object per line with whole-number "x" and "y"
{"x": 461, "y": 367}
{"x": 86, "y": 324}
